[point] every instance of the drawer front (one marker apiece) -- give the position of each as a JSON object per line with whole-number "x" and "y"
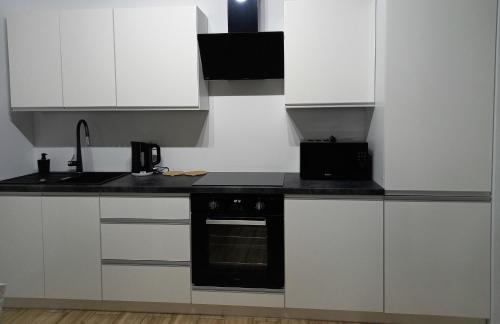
{"x": 230, "y": 298}
{"x": 145, "y": 242}
{"x": 146, "y": 283}
{"x": 145, "y": 207}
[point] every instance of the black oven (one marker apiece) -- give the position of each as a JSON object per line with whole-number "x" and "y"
{"x": 237, "y": 240}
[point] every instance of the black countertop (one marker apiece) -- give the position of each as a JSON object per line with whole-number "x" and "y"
{"x": 293, "y": 184}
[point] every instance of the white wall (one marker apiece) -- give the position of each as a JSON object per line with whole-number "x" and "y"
{"x": 240, "y": 133}
{"x": 16, "y": 129}
{"x": 247, "y": 129}
{"x": 495, "y": 277}
{"x": 376, "y": 133}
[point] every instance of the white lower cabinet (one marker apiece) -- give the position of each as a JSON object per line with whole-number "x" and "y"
{"x": 437, "y": 258}
{"x": 334, "y": 254}
{"x": 436, "y": 254}
{"x": 146, "y": 249}
{"x": 72, "y": 249}
{"x": 146, "y": 283}
{"x": 21, "y": 248}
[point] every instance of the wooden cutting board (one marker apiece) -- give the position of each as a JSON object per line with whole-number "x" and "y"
{"x": 195, "y": 173}
{"x": 173, "y": 173}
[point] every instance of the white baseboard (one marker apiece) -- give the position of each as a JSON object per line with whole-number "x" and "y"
{"x": 235, "y": 311}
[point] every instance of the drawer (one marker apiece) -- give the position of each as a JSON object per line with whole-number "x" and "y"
{"x": 145, "y": 242}
{"x": 146, "y": 283}
{"x": 145, "y": 207}
{"x": 236, "y": 298}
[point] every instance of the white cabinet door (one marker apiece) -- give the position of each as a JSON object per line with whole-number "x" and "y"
{"x": 146, "y": 283}
{"x": 333, "y": 254}
{"x": 437, "y": 258}
{"x": 157, "y": 57}
{"x": 439, "y": 94}
{"x": 35, "y": 60}
{"x": 71, "y": 241}
{"x": 21, "y": 247}
{"x": 88, "y": 62}
{"x": 329, "y": 52}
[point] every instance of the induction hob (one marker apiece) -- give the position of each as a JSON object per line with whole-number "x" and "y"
{"x": 261, "y": 179}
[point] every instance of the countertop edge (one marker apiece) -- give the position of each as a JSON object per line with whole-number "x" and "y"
{"x": 293, "y": 185}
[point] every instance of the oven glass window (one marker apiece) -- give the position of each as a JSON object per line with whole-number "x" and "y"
{"x": 243, "y": 247}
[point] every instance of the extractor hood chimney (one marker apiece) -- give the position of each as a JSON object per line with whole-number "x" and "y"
{"x": 243, "y": 16}
{"x": 243, "y": 53}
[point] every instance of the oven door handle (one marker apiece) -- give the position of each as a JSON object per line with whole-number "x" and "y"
{"x": 237, "y": 222}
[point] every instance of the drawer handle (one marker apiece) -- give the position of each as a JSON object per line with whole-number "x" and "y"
{"x": 236, "y": 222}
{"x": 145, "y": 221}
{"x": 157, "y": 263}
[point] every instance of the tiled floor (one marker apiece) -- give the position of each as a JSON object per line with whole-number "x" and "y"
{"x": 43, "y": 316}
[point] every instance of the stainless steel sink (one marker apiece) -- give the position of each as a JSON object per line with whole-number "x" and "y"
{"x": 69, "y": 178}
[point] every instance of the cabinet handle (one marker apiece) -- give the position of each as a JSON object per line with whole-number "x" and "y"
{"x": 236, "y": 222}
{"x": 145, "y": 263}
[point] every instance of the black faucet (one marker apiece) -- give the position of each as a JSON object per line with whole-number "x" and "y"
{"x": 78, "y": 163}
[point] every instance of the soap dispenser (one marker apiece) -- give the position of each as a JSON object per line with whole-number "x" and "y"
{"x": 44, "y": 165}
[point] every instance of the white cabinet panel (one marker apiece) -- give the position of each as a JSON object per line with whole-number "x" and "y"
{"x": 437, "y": 258}
{"x": 21, "y": 248}
{"x": 146, "y": 242}
{"x": 334, "y": 254}
{"x": 35, "y": 60}
{"x": 88, "y": 62}
{"x": 146, "y": 283}
{"x": 145, "y": 207}
{"x": 329, "y": 52}
{"x": 72, "y": 247}
{"x": 439, "y": 94}
{"x": 157, "y": 57}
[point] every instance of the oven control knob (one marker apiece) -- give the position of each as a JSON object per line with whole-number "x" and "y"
{"x": 213, "y": 205}
{"x": 260, "y": 205}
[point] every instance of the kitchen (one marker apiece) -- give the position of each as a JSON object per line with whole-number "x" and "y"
{"x": 257, "y": 126}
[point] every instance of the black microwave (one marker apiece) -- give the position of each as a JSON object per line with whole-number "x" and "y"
{"x": 320, "y": 160}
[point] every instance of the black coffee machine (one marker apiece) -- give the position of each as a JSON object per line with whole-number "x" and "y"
{"x": 142, "y": 158}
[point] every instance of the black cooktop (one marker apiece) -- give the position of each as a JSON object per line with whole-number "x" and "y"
{"x": 263, "y": 179}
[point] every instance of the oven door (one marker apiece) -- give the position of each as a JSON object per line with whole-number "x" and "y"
{"x": 238, "y": 252}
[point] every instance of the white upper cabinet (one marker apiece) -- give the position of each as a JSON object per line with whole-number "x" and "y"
{"x": 145, "y": 58}
{"x": 329, "y": 53}
{"x": 439, "y": 94}
{"x": 88, "y": 62}
{"x": 157, "y": 62}
{"x": 34, "y": 60}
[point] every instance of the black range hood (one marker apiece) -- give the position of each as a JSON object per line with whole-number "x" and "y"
{"x": 243, "y": 53}
{"x": 242, "y": 56}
